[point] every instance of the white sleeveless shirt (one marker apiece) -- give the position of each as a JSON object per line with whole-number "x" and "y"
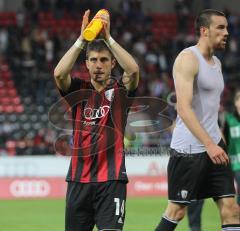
{"x": 207, "y": 88}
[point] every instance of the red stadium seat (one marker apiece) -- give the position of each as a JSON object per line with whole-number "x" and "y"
{"x": 10, "y": 84}
{"x": 16, "y": 100}
{"x": 2, "y": 92}
{"x": 9, "y": 109}
{"x": 6, "y": 100}
{"x": 6, "y": 74}
{"x": 8, "y": 18}
{"x": 19, "y": 108}
{"x": 12, "y": 92}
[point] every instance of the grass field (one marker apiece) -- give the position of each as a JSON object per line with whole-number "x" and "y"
{"x": 142, "y": 214}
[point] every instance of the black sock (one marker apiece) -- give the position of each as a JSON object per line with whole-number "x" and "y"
{"x": 231, "y": 227}
{"x": 166, "y": 225}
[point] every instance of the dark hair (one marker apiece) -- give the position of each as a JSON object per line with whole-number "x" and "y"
{"x": 204, "y": 19}
{"x": 97, "y": 45}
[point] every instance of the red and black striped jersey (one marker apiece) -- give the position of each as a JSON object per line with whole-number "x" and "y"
{"x": 99, "y": 120}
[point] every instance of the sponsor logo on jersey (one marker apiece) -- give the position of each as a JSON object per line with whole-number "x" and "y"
{"x": 89, "y": 123}
{"x": 96, "y": 113}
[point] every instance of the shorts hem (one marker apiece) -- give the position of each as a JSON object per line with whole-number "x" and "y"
{"x": 223, "y": 196}
{"x": 110, "y": 229}
{"x": 199, "y": 199}
{"x": 180, "y": 202}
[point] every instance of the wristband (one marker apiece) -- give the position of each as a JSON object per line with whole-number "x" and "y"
{"x": 79, "y": 44}
{"x": 110, "y": 41}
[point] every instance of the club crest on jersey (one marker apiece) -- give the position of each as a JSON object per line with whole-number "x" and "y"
{"x": 109, "y": 94}
{"x": 184, "y": 194}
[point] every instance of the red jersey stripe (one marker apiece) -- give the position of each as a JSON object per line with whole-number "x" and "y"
{"x": 119, "y": 134}
{"x": 87, "y": 158}
{"x": 76, "y": 142}
{"x": 102, "y": 158}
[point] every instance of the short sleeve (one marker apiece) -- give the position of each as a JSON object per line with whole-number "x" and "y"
{"x": 131, "y": 93}
{"x": 75, "y": 85}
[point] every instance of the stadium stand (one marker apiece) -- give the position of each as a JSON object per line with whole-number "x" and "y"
{"x": 32, "y": 43}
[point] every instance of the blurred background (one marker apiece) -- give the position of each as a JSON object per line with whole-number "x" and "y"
{"x": 34, "y": 35}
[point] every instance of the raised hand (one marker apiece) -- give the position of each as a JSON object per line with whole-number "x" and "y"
{"x": 106, "y": 25}
{"x": 85, "y": 22}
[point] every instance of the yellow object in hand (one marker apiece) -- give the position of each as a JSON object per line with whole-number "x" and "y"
{"x": 94, "y": 27}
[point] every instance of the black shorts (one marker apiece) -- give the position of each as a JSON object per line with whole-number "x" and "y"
{"x": 100, "y": 204}
{"x": 195, "y": 177}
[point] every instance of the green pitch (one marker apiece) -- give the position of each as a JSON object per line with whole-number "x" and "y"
{"x": 142, "y": 214}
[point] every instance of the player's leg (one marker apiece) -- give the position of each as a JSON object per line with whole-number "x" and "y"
{"x": 237, "y": 179}
{"x": 79, "y": 214}
{"x": 173, "y": 214}
{"x": 230, "y": 214}
{"x": 221, "y": 184}
{"x": 184, "y": 173}
{"x": 194, "y": 212}
{"x": 109, "y": 205}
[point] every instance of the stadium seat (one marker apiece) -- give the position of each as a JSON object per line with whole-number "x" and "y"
{"x": 11, "y": 147}
{"x": 19, "y": 108}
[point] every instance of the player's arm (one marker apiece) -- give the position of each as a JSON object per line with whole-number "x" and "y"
{"x": 185, "y": 69}
{"x": 225, "y": 132}
{"x": 125, "y": 60}
{"x": 65, "y": 65}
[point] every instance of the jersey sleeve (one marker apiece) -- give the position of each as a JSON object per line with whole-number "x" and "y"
{"x": 76, "y": 84}
{"x": 131, "y": 93}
